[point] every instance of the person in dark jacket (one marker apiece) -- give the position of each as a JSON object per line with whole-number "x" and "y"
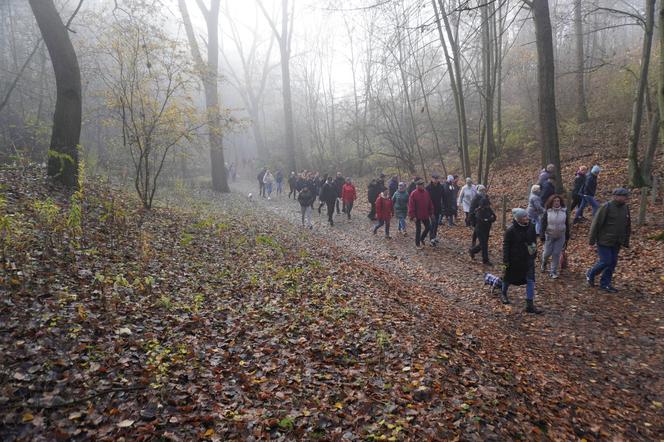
{"x": 306, "y": 199}
{"x": 420, "y": 210}
{"x": 474, "y": 205}
{"x": 435, "y": 190}
{"x": 519, "y": 251}
{"x": 261, "y": 184}
{"x": 375, "y": 188}
{"x": 484, "y": 218}
{"x": 610, "y": 230}
{"x": 548, "y": 188}
{"x": 450, "y": 193}
{"x": 339, "y": 182}
{"x": 588, "y": 194}
{"x": 577, "y": 186}
{"x": 292, "y": 185}
{"x": 328, "y": 196}
{"x": 549, "y": 170}
{"x": 412, "y": 185}
{"x": 400, "y": 204}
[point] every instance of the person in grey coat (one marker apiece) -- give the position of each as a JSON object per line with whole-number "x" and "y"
{"x": 555, "y": 233}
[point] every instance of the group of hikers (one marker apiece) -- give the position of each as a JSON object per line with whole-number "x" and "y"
{"x": 437, "y": 203}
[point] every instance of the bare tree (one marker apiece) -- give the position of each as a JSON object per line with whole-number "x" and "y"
{"x": 581, "y": 109}
{"x": 65, "y": 137}
{"x": 284, "y": 38}
{"x": 209, "y": 74}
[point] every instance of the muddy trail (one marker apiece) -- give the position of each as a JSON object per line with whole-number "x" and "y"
{"x": 599, "y": 351}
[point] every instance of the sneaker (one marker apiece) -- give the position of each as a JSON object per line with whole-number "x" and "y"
{"x": 554, "y": 276}
{"x": 609, "y": 289}
{"x": 432, "y": 243}
{"x": 590, "y": 281}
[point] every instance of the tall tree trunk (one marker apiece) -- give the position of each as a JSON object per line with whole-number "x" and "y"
{"x": 581, "y": 109}
{"x": 548, "y": 120}
{"x": 653, "y": 143}
{"x": 209, "y": 74}
{"x": 487, "y": 65}
{"x": 65, "y": 137}
{"x": 634, "y": 169}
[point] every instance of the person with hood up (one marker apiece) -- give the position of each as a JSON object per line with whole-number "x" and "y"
{"x": 348, "y": 196}
{"x": 577, "y": 186}
{"x": 292, "y": 185}
{"x": 555, "y": 233}
{"x": 466, "y": 195}
{"x": 484, "y": 218}
{"x": 328, "y": 195}
{"x": 610, "y": 230}
{"x": 435, "y": 190}
{"x": 519, "y": 252}
{"x": 588, "y": 194}
{"x": 420, "y": 210}
{"x": 400, "y": 204}
{"x": 392, "y": 185}
{"x": 535, "y": 207}
{"x": 268, "y": 180}
{"x": 384, "y": 212}
{"x": 306, "y": 199}
{"x": 450, "y": 208}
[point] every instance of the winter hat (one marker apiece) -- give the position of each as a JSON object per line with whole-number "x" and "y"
{"x": 469, "y": 181}
{"x": 595, "y": 170}
{"x": 621, "y": 191}
{"x": 450, "y": 178}
{"x": 419, "y": 182}
{"x": 435, "y": 175}
{"x": 535, "y": 188}
{"x": 518, "y": 212}
{"x": 402, "y": 185}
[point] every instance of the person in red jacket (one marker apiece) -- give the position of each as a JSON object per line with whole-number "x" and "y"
{"x": 348, "y": 196}
{"x": 384, "y": 212}
{"x": 420, "y": 210}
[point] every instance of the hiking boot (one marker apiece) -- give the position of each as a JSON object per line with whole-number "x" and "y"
{"x": 609, "y": 289}
{"x": 530, "y": 307}
{"x": 554, "y": 276}
{"x": 590, "y": 281}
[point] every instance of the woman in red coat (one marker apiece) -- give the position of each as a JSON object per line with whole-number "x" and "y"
{"x": 420, "y": 210}
{"x": 348, "y": 196}
{"x": 384, "y": 212}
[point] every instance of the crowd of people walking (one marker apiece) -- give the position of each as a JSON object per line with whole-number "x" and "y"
{"x": 430, "y": 206}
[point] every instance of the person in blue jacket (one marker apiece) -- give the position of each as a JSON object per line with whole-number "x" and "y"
{"x": 588, "y": 194}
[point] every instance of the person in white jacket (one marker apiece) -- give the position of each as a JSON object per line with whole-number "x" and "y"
{"x": 466, "y": 195}
{"x": 268, "y": 180}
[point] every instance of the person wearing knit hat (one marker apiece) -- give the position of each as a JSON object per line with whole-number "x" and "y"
{"x": 400, "y": 204}
{"x": 588, "y": 194}
{"x": 465, "y": 199}
{"x": 519, "y": 251}
{"x": 610, "y": 230}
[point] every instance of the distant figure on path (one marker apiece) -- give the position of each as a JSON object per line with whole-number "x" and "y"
{"x": 339, "y": 182}
{"x": 384, "y": 212}
{"x": 535, "y": 207}
{"x": 279, "y": 178}
{"x": 435, "y": 190}
{"x": 519, "y": 251}
{"x": 268, "y": 180}
{"x": 348, "y": 196}
{"x": 588, "y": 194}
{"x": 610, "y": 230}
{"x": 328, "y": 195}
{"x": 375, "y": 188}
{"x": 466, "y": 195}
{"x": 450, "y": 193}
{"x": 292, "y": 185}
{"x": 306, "y": 200}
{"x": 393, "y": 185}
{"x": 261, "y": 183}
{"x": 577, "y": 186}
{"x": 420, "y": 210}
{"x": 548, "y": 171}
{"x": 484, "y": 219}
{"x": 400, "y": 204}
{"x": 555, "y": 233}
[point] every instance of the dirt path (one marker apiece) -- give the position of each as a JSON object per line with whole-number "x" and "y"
{"x": 597, "y": 357}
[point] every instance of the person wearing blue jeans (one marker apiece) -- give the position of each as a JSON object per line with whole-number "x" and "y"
{"x": 587, "y": 194}
{"x": 610, "y": 231}
{"x": 519, "y": 251}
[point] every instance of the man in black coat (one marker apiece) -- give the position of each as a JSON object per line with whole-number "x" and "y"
{"x": 519, "y": 252}
{"x": 328, "y": 195}
{"x": 484, "y": 218}
{"x": 338, "y": 184}
{"x": 435, "y": 190}
{"x": 375, "y": 188}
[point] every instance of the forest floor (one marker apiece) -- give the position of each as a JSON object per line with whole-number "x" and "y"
{"x": 220, "y": 318}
